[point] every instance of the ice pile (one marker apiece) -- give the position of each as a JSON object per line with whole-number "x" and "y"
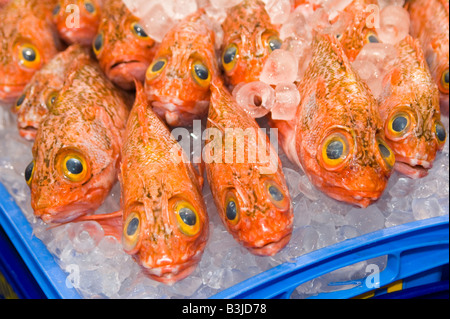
{"x": 98, "y": 268}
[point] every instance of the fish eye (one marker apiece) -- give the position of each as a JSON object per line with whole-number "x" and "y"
{"x": 131, "y": 232}
{"x": 155, "y": 68}
{"x": 229, "y": 57}
{"x": 98, "y": 43}
{"x": 20, "y": 101}
{"x": 90, "y": 7}
{"x": 371, "y": 37}
{"x": 386, "y": 153}
{"x": 51, "y": 99}
{"x": 56, "y": 10}
{"x": 187, "y": 218}
{"x": 441, "y": 135}
{"x": 398, "y": 125}
{"x": 444, "y": 81}
{"x": 74, "y": 167}
{"x": 201, "y": 74}
{"x": 29, "y": 56}
{"x": 276, "y": 195}
{"x": 232, "y": 211}
{"x": 138, "y": 30}
{"x": 29, "y": 171}
{"x": 274, "y": 43}
{"x": 335, "y": 150}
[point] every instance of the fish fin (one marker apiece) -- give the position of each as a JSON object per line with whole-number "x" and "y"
{"x": 395, "y": 76}
{"x": 141, "y": 104}
{"x": 415, "y": 44}
{"x": 199, "y": 172}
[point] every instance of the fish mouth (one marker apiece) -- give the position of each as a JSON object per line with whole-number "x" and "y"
{"x": 271, "y": 248}
{"x": 412, "y": 171}
{"x": 124, "y": 72}
{"x": 361, "y": 198}
{"x": 177, "y": 112}
{"x": 28, "y": 132}
{"x": 169, "y": 274}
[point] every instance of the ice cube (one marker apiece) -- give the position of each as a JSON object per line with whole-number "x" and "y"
{"x": 292, "y": 179}
{"x": 256, "y": 98}
{"x": 86, "y": 235}
{"x": 399, "y": 218}
{"x": 366, "y": 220}
{"x": 302, "y": 216}
{"x": 179, "y": 9}
{"x": 428, "y": 187}
{"x": 346, "y": 232}
{"x": 280, "y": 67}
{"x": 307, "y": 188}
{"x": 224, "y": 4}
{"x": 394, "y": 24}
{"x": 425, "y": 208}
{"x": 278, "y": 10}
{"x": 286, "y": 102}
{"x": 156, "y": 22}
{"x": 401, "y": 188}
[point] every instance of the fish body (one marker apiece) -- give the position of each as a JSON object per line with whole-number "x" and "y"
{"x": 253, "y": 204}
{"x": 178, "y": 80}
{"x": 430, "y": 24}
{"x": 249, "y": 38}
{"x": 40, "y": 93}
{"x": 165, "y": 224}
{"x": 28, "y": 40}
{"x": 336, "y": 136}
{"x": 77, "y": 21}
{"x": 410, "y": 111}
{"x": 121, "y": 45}
{"x": 76, "y": 153}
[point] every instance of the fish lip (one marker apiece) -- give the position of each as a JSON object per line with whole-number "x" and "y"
{"x": 118, "y": 63}
{"x": 166, "y": 273}
{"x": 361, "y": 198}
{"x": 412, "y": 171}
{"x": 28, "y": 132}
{"x": 271, "y": 248}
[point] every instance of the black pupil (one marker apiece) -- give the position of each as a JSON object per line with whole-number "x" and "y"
{"x": 52, "y": 100}
{"x": 399, "y": 124}
{"x": 275, "y": 193}
{"x": 274, "y": 44}
{"x": 158, "y": 65}
{"x": 229, "y": 55}
{"x": 29, "y": 54}
{"x": 384, "y": 150}
{"x": 98, "y": 43}
{"x": 440, "y": 132}
{"x": 446, "y": 77}
{"x": 74, "y": 166}
{"x": 201, "y": 71}
{"x": 132, "y": 226}
{"x": 28, "y": 171}
{"x": 231, "y": 210}
{"x": 373, "y": 39}
{"x": 188, "y": 216}
{"x": 56, "y": 9}
{"x": 335, "y": 150}
{"x": 20, "y": 100}
{"x": 89, "y": 7}
{"x": 140, "y": 31}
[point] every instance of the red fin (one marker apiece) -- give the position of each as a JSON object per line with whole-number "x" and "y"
{"x": 395, "y": 76}
{"x": 141, "y": 105}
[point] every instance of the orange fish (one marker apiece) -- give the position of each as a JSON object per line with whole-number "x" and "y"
{"x": 77, "y": 20}
{"x": 249, "y": 38}
{"x": 178, "y": 80}
{"x": 357, "y": 32}
{"x": 336, "y": 136}
{"x": 252, "y": 199}
{"x": 28, "y": 40}
{"x": 409, "y": 108}
{"x": 121, "y": 45}
{"x": 40, "y": 94}
{"x": 430, "y": 24}
{"x": 165, "y": 224}
{"x": 77, "y": 148}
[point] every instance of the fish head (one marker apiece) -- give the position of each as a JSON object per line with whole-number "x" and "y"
{"x": 249, "y": 38}
{"x": 166, "y": 232}
{"x": 123, "y": 48}
{"x": 77, "y": 21}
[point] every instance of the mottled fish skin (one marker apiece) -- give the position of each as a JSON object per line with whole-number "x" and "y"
{"x": 337, "y": 136}
{"x": 409, "y": 108}
{"x": 39, "y": 95}
{"x": 165, "y": 224}
{"x": 249, "y": 31}
{"x": 261, "y": 216}
{"x": 28, "y": 40}
{"x": 77, "y": 21}
{"x": 178, "y": 80}
{"x": 430, "y": 24}
{"x": 122, "y": 47}
{"x": 77, "y": 148}
{"x": 357, "y": 32}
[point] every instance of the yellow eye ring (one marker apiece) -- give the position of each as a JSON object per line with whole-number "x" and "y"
{"x": 97, "y": 44}
{"x": 386, "y": 153}
{"x": 29, "y": 56}
{"x": 441, "y": 135}
{"x": 229, "y": 57}
{"x": 51, "y": 100}
{"x": 232, "y": 209}
{"x": 139, "y": 31}
{"x": 29, "y": 172}
{"x": 443, "y": 83}
{"x": 201, "y": 74}
{"x": 371, "y": 37}
{"x": 131, "y": 233}
{"x": 276, "y": 195}
{"x": 90, "y": 7}
{"x": 335, "y": 150}
{"x": 20, "y": 101}
{"x": 187, "y": 218}
{"x": 74, "y": 167}
{"x": 398, "y": 125}
{"x": 155, "y": 68}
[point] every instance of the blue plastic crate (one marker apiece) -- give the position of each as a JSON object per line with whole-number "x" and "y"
{"x": 416, "y": 253}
